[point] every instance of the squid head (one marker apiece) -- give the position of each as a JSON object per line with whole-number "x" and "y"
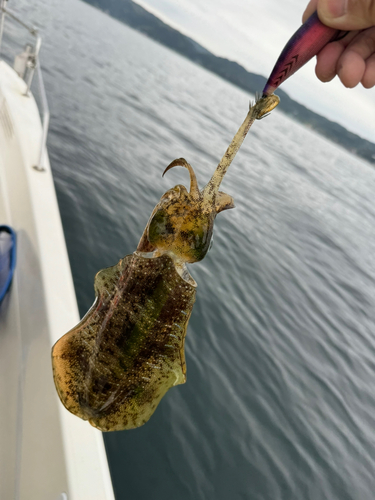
{"x": 182, "y": 222}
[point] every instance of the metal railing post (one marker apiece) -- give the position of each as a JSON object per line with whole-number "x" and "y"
{"x": 45, "y": 121}
{"x": 2, "y": 10}
{"x": 34, "y": 65}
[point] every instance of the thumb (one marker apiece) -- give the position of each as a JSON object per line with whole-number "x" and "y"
{"x": 347, "y": 14}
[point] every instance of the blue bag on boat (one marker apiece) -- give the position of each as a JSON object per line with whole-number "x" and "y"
{"x": 7, "y": 258}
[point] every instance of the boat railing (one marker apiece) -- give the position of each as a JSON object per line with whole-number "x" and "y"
{"x": 26, "y": 65}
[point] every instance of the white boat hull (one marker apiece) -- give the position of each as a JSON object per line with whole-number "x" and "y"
{"x": 45, "y": 452}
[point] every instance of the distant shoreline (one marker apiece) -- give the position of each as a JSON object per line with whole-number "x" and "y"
{"x": 142, "y": 20}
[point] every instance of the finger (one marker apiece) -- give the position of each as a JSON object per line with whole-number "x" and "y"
{"x": 327, "y": 61}
{"x": 310, "y": 9}
{"x": 351, "y": 65}
{"x": 347, "y": 14}
{"x": 368, "y": 79}
{"x": 348, "y": 38}
{"x": 363, "y": 43}
{"x": 326, "y": 65}
{"x": 351, "y": 69}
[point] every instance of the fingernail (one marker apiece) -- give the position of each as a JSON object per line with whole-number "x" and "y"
{"x": 336, "y": 8}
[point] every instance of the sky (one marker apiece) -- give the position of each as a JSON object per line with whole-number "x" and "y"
{"x": 253, "y": 33}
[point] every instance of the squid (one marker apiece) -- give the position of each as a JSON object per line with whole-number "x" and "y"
{"x": 115, "y": 366}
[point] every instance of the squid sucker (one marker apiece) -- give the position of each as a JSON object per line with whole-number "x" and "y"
{"x": 114, "y": 367}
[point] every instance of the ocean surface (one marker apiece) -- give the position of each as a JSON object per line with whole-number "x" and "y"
{"x": 279, "y": 402}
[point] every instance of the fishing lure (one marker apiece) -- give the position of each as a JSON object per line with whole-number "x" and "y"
{"x": 306, "y": 42}
{"x": 114, "y": 367}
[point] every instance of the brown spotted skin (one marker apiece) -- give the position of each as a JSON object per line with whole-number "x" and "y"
{"x": 114, "y": 367}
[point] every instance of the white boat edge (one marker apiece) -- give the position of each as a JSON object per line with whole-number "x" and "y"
{"x": 45, "y": 452}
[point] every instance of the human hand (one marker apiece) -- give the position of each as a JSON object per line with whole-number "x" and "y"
{"x": 353, "y": 57}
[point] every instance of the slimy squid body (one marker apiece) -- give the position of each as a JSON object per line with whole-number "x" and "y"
{"x": 114, "y": 367}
